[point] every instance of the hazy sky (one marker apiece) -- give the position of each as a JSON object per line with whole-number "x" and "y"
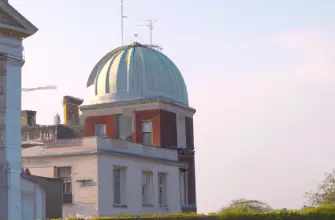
{"x": 260, "y": 74}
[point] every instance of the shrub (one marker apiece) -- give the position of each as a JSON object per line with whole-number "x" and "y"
{"x": 324, "y": 212}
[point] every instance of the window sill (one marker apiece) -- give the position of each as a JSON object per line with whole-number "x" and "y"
{"x": 147, "y": 205}
{"x": 119, "y": 206}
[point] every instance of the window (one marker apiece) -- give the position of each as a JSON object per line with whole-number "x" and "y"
{"x": 162, "y": 189}
{"x": 64, "y": 173}
{"x": 147, "y": 132}
{"x": 147, "y": 188}
{"x": 100, "y": 130}
{"x": 119, "y": 182}
{"x": 183, "y": 187}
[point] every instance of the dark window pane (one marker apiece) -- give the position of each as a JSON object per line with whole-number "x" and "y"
{"x": 147, "y": 138}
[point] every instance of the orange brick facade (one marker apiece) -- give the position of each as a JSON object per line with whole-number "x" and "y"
{"x": 154, "y": 116}
{"x": 90, "y": 123}
{"x": 164, "y": 126}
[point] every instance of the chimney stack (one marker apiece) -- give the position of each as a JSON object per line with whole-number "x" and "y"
{"x": 71, "y": 110}
{"x": 28, "y": 118}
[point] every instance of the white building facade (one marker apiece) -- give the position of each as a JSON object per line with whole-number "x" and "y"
{"x": 104, "y": 177}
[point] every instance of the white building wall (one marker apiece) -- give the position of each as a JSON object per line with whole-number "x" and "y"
{"x": 27, "y": 206}
{"x": 84, "y": 199}
{"x": 33, "y": 201}
{"x": 40, "y": 203}
{"x": 134, "y": 168}
{"x": 97, "y": 199}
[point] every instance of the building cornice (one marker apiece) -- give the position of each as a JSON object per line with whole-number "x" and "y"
{"x": 72, "y": 100}
{"x": 28, "y": 28}
{"x": 17, "y": 61}
{"x": 107, "y": 152}
{"x": 134, "y": 102}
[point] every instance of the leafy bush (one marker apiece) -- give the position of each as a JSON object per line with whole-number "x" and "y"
{"x": 325, "y": 193}
{"x": 243, "y": 205}
{"x": 324, "y": 212}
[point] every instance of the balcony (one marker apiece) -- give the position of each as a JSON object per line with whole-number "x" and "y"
{"x": 108, "y": 145}
{"x": 137, "y": 149}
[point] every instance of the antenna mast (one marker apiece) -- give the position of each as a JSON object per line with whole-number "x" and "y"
{"x": 150, "y": 29}
{"x": 122, "y": 22}
{"x": 122, "y": 17}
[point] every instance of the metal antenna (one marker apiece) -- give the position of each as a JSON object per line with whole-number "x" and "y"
{"x": 150, "y": 28}
{"x": 122, "y": 17}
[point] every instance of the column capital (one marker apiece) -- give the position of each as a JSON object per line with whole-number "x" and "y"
{"x": 9, "y": 59}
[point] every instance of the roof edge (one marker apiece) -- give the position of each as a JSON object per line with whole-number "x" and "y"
{"x": 100, "y": 151}
{"x": 29, "y": 28}
{"x": 131, "y": 102}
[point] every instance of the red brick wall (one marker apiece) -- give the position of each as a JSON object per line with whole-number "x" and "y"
{"x": 168, "y": 129}
{"x": 188, "y": 157}
{"x": 154, "y": 116}
{"x": 164, "y": 127}
{"x": 192, "y": 182}
{"x": 90, "y": 123}
{"x": 189, "y": 133}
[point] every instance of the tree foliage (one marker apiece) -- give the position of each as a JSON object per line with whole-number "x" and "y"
{"x": 243, "y": 205}
{"x": 325, "y": 193}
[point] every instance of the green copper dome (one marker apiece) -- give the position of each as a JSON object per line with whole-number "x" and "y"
{"x": 136, "y": 72}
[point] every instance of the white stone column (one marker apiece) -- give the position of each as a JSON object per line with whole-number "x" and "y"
{"x": 133, "y": 126}
{"x": 13, "y": 135}
{"x": 181, "y": 130}
{"x": 155, "y": 185}
{"x": 15, "y": 28}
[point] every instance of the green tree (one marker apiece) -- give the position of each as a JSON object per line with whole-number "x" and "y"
{"x": 325, "y": 193}
{"x": 243, "y": 205}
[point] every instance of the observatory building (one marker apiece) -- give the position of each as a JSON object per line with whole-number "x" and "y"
{"x": 128, "y": 147}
